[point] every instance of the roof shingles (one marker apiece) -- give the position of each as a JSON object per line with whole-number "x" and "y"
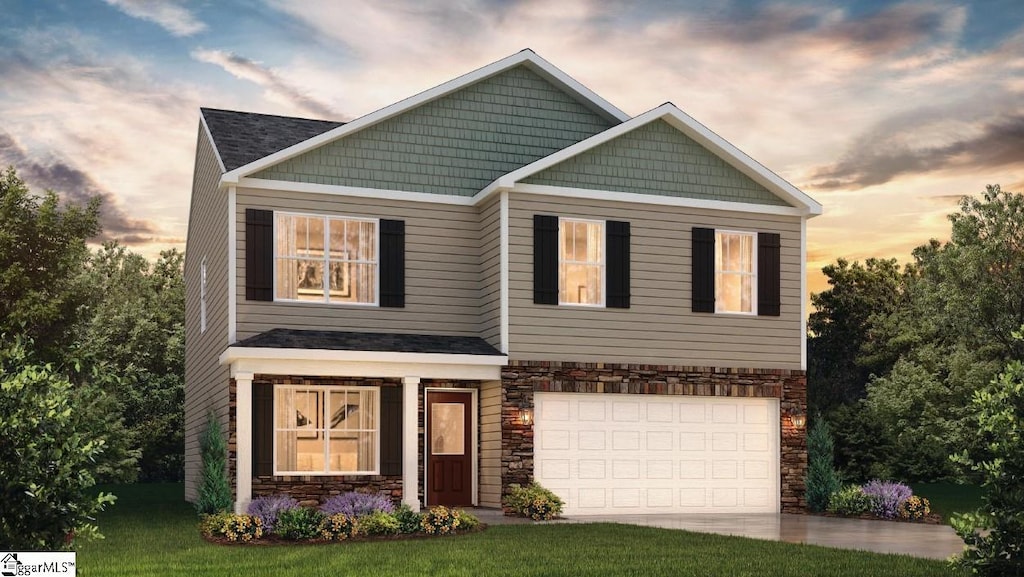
{"x": 378, "y": 342}
{"x": 244, "y": 137}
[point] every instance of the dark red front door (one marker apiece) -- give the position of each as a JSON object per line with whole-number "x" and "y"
{"x": 449, "y": 448}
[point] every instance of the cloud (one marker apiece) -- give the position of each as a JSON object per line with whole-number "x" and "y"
{"x": 272, "y": 82}
{"x": 168, "y": 14}
{"x": 882, "y": 158}
{"x": 76, "y": 187}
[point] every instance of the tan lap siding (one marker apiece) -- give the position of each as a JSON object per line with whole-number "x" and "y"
{"x": 441, "y": 275}
{"x": 490, "y": 271}
{"x": 659, "y": 328}
{"x": 490, "y": 444}
{"x": 206, "y": 382}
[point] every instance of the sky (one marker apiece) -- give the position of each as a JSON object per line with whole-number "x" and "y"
{"x": 887, "y": 113}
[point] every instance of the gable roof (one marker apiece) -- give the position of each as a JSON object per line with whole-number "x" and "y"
{"x": 243, "y": 137}
{"x": 688, "y": 126}
{"x": 526, "y": 57}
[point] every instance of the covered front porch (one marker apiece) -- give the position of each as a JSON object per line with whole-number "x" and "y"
{"x": 318, "y": 413}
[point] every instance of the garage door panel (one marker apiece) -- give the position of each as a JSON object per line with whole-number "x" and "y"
{"x": 647, "y": 454}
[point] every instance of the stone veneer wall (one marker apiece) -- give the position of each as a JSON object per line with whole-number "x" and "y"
{"x": 520, "y": 379}
{"x": 312, "y": 489}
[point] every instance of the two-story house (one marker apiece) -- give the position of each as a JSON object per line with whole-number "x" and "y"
{"x": 500, "y": 278}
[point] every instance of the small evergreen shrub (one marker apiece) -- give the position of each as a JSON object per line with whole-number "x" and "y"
{"x": 850, "y": 501}
{"x": 214, "y": 488}
{"x": 267, "y": 508}
{"x": 886, "y": 497}
{"x": 915, "y": 508}
{"x": 237, "y": 528}
{"x": 301, "y": 523}
{"x": 441, "y": 520}
{"x": 533, "y": 501}
{"x": 468, "y": 521}
{"x": 357, "y": 504}
{"x": 378, "y": 523}
{"x": 409, "y": 521}
{"x": 822, "y": 479}
{"x": 338, "y": 527}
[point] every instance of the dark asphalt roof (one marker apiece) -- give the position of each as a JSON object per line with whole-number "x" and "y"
{"x": 243, "y": 137}
{"x": 381, "y": 342}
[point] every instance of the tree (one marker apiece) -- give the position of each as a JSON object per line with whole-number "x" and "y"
{"x": 48, "y": 456}
{"x": 994, "y": 535}
{"x": 42, "y": 251}
{"x": 822, "y": 479}
{"x": 136, "y": 329}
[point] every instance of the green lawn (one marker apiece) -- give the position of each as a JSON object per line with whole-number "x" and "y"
{"x": 949, "y": 498}
{"x": 150, "y": 531}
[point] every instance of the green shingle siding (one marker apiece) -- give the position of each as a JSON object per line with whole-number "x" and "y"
{"x": 455, "y": 145}
{"x": 656, "y": 159}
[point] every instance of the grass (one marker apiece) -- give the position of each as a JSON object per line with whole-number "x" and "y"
{"x": 949, "y": 498}
{"x": 150, "y": 531}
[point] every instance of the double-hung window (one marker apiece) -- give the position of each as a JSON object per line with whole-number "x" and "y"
{"x": 735, "y": 272}
{"x": 326, "y": 259}
{"x": 581, "y": 262}
{"x": 326, "y": 430}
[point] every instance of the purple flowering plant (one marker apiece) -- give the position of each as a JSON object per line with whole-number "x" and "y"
{"x": 267, "y": 508}
{"x": 886, "y": 497}
{"x": 355, "y": 504}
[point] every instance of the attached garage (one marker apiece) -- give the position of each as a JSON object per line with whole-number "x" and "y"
{"x": 646, "y": 454}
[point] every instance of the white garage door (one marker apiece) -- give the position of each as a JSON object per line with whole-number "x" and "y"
{"x": 642, "y": 454}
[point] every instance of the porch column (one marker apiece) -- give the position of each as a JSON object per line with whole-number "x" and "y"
{"x": 410, "y": 446}
{"x": 243, "y": 441}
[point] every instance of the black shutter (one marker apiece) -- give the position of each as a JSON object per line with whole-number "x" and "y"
{"x": 545, "y": 259}
{"x": 391, "y": 431}
{"x": 392, "y": 263}
{"x": 703, "y": 263}
{"x": 259, "y": 254}
{"x": 768, "y": 274}
{"x": 262, "y": 429}
{"x": 617, "y": 272}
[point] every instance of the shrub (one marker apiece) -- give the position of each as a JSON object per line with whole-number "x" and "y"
{"x": 915, "y": 508}
{"x": 357, "y": 504}
{"x": 994, "y": 534}
{"x": 441, "y": 520}
{"x": 409, "y": 521}
{"x": 238, "y": 528}
{"x": 269, "y": 507}
{"x": 378, "y": 523}
{"x": 850, "y": 500}
{"x": 338, "y": 527}
{"x": 533, "y": 501}
{"x": 822, "y": 479}
{"x": 214, "y": 489}
{"x": 468, "y": 521}
{"x": 886, "y": 497}
{"x": 301, "y": 523}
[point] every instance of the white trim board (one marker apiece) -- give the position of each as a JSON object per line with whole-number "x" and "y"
{"x": 528, "y": 57}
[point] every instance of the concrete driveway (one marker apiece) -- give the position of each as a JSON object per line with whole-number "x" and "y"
{"x": 930, "y": 541}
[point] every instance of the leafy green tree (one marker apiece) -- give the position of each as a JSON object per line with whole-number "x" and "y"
{"x": 994, "y": 535}
{"x": 214, "y": 488}
{"x": 863, "y": 450}
{"x": 135, "y": 328}
{"x": 42, "y": 252}
{"x": 822, "y": 478}
{"x": 47, "y": 457}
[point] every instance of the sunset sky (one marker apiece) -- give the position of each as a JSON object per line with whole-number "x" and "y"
{"x": 885, "y": 112}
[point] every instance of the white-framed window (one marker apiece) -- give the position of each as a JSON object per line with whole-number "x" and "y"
{"x": 325, "y": 430}
{"x": 326, "y": 259}
{"x": 735, "y": 272}
{"x": 581, "y": 262}
{"x": 202, "y": 296}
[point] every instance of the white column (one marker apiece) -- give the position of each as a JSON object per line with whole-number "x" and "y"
{"x": 410, "y": 446}
{"x": 243, "y": 441}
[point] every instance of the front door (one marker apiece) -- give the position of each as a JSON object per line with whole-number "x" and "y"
{"x": 449, "y": 448}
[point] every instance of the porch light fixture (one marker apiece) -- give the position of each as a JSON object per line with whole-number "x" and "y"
{"x": 798, "y": 418}
{"x": 525, "y": 416}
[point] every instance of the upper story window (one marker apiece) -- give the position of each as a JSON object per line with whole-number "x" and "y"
{"x": 202, "y": 296}
{"x": 735, "y": 272}
{"x": 326, "y": 430}
{"x": 581, "y": 262}
{"x": 326, "y": 259}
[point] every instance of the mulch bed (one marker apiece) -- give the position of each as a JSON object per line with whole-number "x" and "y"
{"x": 930, "y": 519}
{"x": 275, "y": 540}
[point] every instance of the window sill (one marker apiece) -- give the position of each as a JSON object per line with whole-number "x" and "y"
{"x": 732, "y": 314}
{"x": 322, "y": 474}
{"x": 580, "y": 306}
{"x": 325, "y": 303}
